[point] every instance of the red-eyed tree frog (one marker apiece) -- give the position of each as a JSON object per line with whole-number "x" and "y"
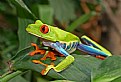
{"x": 64, "y": 43}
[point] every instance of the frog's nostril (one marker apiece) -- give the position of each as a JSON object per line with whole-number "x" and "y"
{"x": 30, "y": 26}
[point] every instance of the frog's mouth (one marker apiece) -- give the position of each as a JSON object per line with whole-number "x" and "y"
{"x": 35, "y": 34}
{"x": 42, "y": 39}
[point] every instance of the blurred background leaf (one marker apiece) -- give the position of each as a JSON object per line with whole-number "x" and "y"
{"x": 46, "y": 14}
{"x": 23, "y": 9}
{"x": 75, "y": 16}
{"x": 81, "y": 20}
{"x": 64, "y": 10}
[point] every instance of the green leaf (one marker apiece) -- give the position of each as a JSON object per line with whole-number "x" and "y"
{"x": 25, "y": 39}
{"x": 6, "y": 78}
{"x": 22, "y": 10}
{"x": 109, "y": 70}
{"x": 45, "y": 13}
{"x": 117, "y": 80}
{"x": 62, "y": 81}
{"x": 64, "y": 10}
{"x": 79, "y": 70}
{"x": 21, "y": 52}
{"x": 25, "y": 18}
{"x": 81, "y": 20}
{"x": 18, "y": 79}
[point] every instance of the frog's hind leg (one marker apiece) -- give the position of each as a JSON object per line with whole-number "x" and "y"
{"x": 90, "y": 42}
{"x": 58, "y": 68}
{"x": 92, "y": 51}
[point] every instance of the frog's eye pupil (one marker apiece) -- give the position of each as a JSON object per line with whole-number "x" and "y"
{"x": 44, "y": 29}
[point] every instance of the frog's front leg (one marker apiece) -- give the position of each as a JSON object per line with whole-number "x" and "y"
{"x": 63, "y": 64}
{"x": 47, "y": 54}
{"x": 37, "y": 50}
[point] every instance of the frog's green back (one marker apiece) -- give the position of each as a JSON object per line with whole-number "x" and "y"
{"x": 61, "y": 35}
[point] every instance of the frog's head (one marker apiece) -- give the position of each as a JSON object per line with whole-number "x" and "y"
{"x": 41, "y": 30}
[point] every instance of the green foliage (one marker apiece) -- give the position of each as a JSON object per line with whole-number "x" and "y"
{"x": 46, "y": 13}
{"x": 80, "y": 20}
{"x": 109, "y": 70}
{"x": 64, "y": 11}
{"x": 8, "y": 46}
{"x": 84, "y": 68}
{"x": 22, "y": 23}
{"x": 22, "y": 9}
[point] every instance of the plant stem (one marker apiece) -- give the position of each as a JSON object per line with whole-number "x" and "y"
{"x": 10, "y": 76}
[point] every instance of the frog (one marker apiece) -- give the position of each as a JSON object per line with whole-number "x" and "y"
{"x": 64, "y": 43}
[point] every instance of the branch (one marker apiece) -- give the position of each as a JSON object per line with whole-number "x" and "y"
{"x": 112, "y": 17}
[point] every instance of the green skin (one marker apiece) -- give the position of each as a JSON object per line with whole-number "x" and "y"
{"x": 55, "y": 34}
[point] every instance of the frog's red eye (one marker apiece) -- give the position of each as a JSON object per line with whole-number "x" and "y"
{"x": 44, "y": 29}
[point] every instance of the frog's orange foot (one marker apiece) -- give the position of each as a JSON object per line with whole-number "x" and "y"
{"x": 100, "y": 57}
{"x": 48, "y": 67}
{"x": 39, "y": 62}
{"x": 46, "y": 70}
{"x": 35, "y": 45}
{"x": 43, "y": 71}
{"x": 43, "y": 58}
{"x": 50, "y": 54}
{"x": 37, "y": 50}
{"x": 61, "y": 55}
